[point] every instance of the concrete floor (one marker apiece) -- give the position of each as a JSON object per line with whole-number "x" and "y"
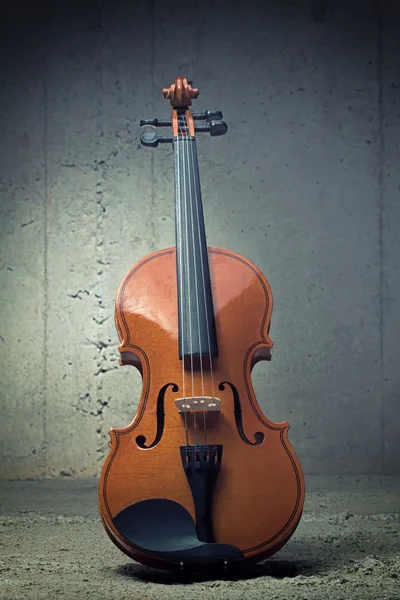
{"x": 346, "y": 546}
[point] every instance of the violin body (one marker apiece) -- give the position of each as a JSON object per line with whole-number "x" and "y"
{"x": 259, "y": 494}
{"x": 236, "y": 485}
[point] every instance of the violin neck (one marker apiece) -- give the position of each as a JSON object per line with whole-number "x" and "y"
{"x": 197, "y": 333}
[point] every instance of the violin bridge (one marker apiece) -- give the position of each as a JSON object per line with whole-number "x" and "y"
{"x": 198, "y": 403}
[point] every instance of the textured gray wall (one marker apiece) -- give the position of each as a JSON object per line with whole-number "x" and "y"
{"x": 305, "y": 184}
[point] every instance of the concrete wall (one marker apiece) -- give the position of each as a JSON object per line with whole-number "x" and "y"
{"x": 305, "y": 184}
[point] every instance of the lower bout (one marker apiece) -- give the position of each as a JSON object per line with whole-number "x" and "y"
{"x": 258, "y": 519}
{"x": 218, "y": 565}
{"x": 218, "y": 559}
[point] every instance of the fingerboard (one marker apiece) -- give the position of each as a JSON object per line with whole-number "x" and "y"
{"x": 197, "y": 332}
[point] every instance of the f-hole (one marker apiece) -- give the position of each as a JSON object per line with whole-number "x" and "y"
{"x": 141, "y": 439}
{"x": 258, "y": 436}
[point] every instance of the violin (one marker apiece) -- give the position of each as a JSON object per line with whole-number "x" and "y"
{"x": 201, "y": 477}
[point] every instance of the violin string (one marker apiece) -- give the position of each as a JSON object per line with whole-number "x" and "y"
{"x": 179, "y": 224}
{"x": 180, "y": 130}
{"x": 189, "y": 144}
{"x": 204, "y": 299}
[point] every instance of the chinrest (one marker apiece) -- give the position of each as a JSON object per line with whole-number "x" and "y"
{"x": 165, "y": 528}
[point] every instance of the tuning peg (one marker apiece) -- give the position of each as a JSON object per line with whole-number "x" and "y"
{"x": 218, "y": 128}
{"x": 213, "y": 115}
{"x": 208, "y": 115}
{"x": 152, "y": 139}
{"x": 214, "y": 128}
{"x": 156, "y": 122}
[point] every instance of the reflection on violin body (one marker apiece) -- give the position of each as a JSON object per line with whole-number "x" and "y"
{"x": 201, "y": 477}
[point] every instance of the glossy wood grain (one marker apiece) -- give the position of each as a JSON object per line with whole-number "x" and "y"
{"x": 180, "y": 93}
{"x": 259, "y": 493}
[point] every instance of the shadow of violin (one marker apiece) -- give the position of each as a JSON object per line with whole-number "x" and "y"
{"x": 275, "y": 568}
{"x": 316, "y": 555}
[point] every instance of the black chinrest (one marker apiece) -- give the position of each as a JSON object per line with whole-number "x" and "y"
{"x": 166, "y": 529}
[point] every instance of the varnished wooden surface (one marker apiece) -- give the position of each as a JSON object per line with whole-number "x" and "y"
{"x": 180, "y": 93}
{"x": 178, "y": 131}
{"x": 259, "y": 494}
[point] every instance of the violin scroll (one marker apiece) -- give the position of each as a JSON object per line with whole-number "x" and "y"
{"x": 182, "y": 120}
{"x": 180, "y": 93}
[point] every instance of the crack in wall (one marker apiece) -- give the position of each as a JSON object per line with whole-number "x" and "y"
{"x": 86, "y": 405}
{"x": 43, "y": 448}
{"x": 379, "y": 51}
{"x": 31, "y": 222}
{"x": 106, "y": 361}
{"x": 79, "y": 294}
{"x": 100, "y": 318}
{"x": 102, "y": 365}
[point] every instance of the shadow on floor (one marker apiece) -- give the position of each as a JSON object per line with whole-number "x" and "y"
{"x": 272, "y": 568}
{"x": 315, "y": 558}
{"x": 307, "y": 557}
